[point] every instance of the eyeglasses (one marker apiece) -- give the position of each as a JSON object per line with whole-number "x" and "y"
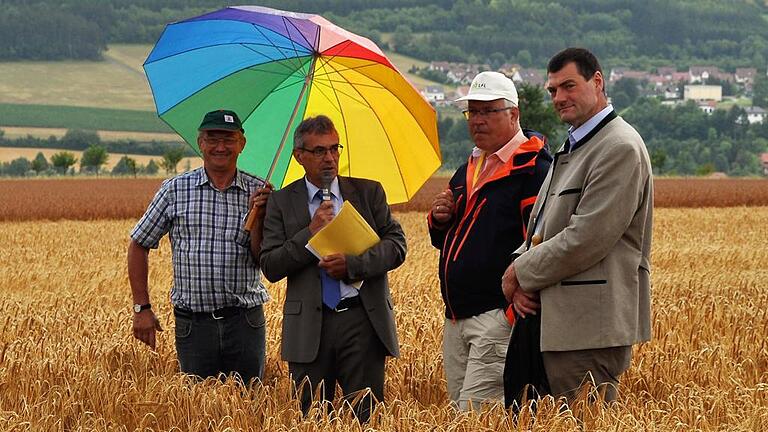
{"x": 469, "y": 113}
{"x": 319, "y": 152}
{"x": 227, "y": 141}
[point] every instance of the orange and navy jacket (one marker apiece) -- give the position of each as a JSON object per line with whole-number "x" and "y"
{"x": 476, "y": 245}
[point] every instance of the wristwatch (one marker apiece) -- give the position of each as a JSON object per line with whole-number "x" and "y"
{"x": 139, "y": 307}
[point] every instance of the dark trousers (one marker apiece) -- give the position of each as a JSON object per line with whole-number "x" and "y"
{"x": 351, "y": 354}
{"x": 233, "y": 342}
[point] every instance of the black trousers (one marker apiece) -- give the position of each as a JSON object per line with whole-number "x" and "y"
{"x": 351, "y": 355}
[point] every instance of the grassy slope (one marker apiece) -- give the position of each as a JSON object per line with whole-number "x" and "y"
{"x": 113, "y": 83}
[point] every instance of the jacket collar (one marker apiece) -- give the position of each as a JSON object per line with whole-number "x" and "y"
{"x": 522, "y": 159}
{"x": 608, "y": 118}
{"x": 299, "y": 191}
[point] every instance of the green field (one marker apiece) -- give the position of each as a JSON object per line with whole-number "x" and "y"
{"x": 70, "y": 117}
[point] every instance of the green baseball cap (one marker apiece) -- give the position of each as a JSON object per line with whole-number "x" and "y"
{"x": 221, "y": 120}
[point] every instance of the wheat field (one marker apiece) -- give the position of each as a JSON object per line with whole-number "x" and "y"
{"x": 68, "y": 360}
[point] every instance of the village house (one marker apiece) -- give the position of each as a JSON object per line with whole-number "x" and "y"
{"x": 700, "y": 74}
{"x": 620, "y": 72}
{"x": 521, "y": 75}
{"x": 756, "y": 114}
{"x": 707, "y": 106}
{"x": 434, "y": 93}
{"x": 458, "y": 73}
{"x": 745, "y": 75}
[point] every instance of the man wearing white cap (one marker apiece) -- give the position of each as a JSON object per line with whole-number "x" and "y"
{"x": 477, "y": 223}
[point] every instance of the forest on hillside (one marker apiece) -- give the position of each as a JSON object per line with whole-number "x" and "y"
{"x": 729, "y": 34}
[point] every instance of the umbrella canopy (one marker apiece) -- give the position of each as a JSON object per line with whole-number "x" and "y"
{"x": 275, "y": 68}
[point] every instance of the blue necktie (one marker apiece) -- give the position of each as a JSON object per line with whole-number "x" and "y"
{"x": 331, "y": 286}
{"x": 331, "y": 290}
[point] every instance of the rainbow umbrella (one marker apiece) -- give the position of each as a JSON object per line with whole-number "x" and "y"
{"x": 275, "y": 68}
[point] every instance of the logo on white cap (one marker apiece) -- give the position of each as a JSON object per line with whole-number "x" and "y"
{"x": 228, "y": 118}
{"x": 488, "y": 86}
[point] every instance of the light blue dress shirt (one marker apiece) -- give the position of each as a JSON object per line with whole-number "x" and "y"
{"x": 574, "y": 135}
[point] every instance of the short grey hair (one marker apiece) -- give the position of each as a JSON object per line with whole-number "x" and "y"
{"x": 318, "y": 125}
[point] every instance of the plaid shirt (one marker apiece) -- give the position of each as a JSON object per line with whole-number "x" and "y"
{"x": 212, "y": 262}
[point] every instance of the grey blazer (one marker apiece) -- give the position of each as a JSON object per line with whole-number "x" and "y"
{"x": 594, "y": 213}
{"x": 283, "y": 255}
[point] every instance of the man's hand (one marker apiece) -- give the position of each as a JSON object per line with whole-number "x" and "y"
{"x": 258, "y": 201}
{"x": 509, "y": 282}
{"x": 145, "y": 323}
{"x": 523, "y": 302}
{"x": 335, "y": 265}
{"x": 322, "y": 217}
{"x": 442, "y": 207}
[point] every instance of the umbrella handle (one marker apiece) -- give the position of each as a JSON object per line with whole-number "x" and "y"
{"x": 250, "y": 220}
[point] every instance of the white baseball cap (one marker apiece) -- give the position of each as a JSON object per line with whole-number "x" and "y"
{"x": 488, "y": 86}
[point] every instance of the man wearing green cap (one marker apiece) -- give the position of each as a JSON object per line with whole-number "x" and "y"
{"x": 217, "y": 294}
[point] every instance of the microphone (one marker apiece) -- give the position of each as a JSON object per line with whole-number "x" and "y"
{"x": 326, "y": 177}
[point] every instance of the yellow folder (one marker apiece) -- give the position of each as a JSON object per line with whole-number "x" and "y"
{"x": 348, "y": 233}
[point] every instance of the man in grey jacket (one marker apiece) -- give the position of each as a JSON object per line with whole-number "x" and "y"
{"x": 585, "y": 265}
{"x": 334, "y": 328}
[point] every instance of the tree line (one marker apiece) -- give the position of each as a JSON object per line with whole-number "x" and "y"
{"x": 94, "y": 156}
{"x": 621, "y": 32}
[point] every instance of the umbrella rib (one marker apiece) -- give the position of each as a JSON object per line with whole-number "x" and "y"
{"x": 279, "y": 48}
{"x": 299, "y": 31}
{"x": 335, "y": 90}
{"x": 307, "y": 84}
{"x": 289, "y": 59}
{"x": 277, "y": 89}
{"x": 343, "y": 119}
{"x": 384, "y": 129}
{"x": 407, "y": 108}
{"x": 330, "y": 82}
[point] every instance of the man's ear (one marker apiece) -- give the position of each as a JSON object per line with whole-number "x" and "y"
{"x": 599, "y": 81}
{"x": 515, "y": 115}
{"x": 297, "y": 156}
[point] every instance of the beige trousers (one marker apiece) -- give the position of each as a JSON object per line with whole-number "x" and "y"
{"x": 568, "y": 370}
{"x": 474, "y": 350}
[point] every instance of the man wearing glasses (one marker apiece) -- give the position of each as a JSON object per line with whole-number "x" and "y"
{"x": 477, "y": 223}
{"x": 217, "y": 294}
{"x": 334, "y": 330}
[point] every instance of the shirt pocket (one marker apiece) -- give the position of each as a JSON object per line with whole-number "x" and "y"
{"x": 239, "y": 235}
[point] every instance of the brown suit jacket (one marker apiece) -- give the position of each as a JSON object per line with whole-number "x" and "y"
{"x": 592, "y": 270}
{"x": 283, "y": 254}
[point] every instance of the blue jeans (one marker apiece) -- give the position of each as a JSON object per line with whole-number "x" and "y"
{"x": 235, "y": 344}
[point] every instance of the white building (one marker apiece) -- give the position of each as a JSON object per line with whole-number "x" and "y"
{"x": 703, "y": 92}
{"x": 756, "y": 114}
{"x": 434, "y": 93}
